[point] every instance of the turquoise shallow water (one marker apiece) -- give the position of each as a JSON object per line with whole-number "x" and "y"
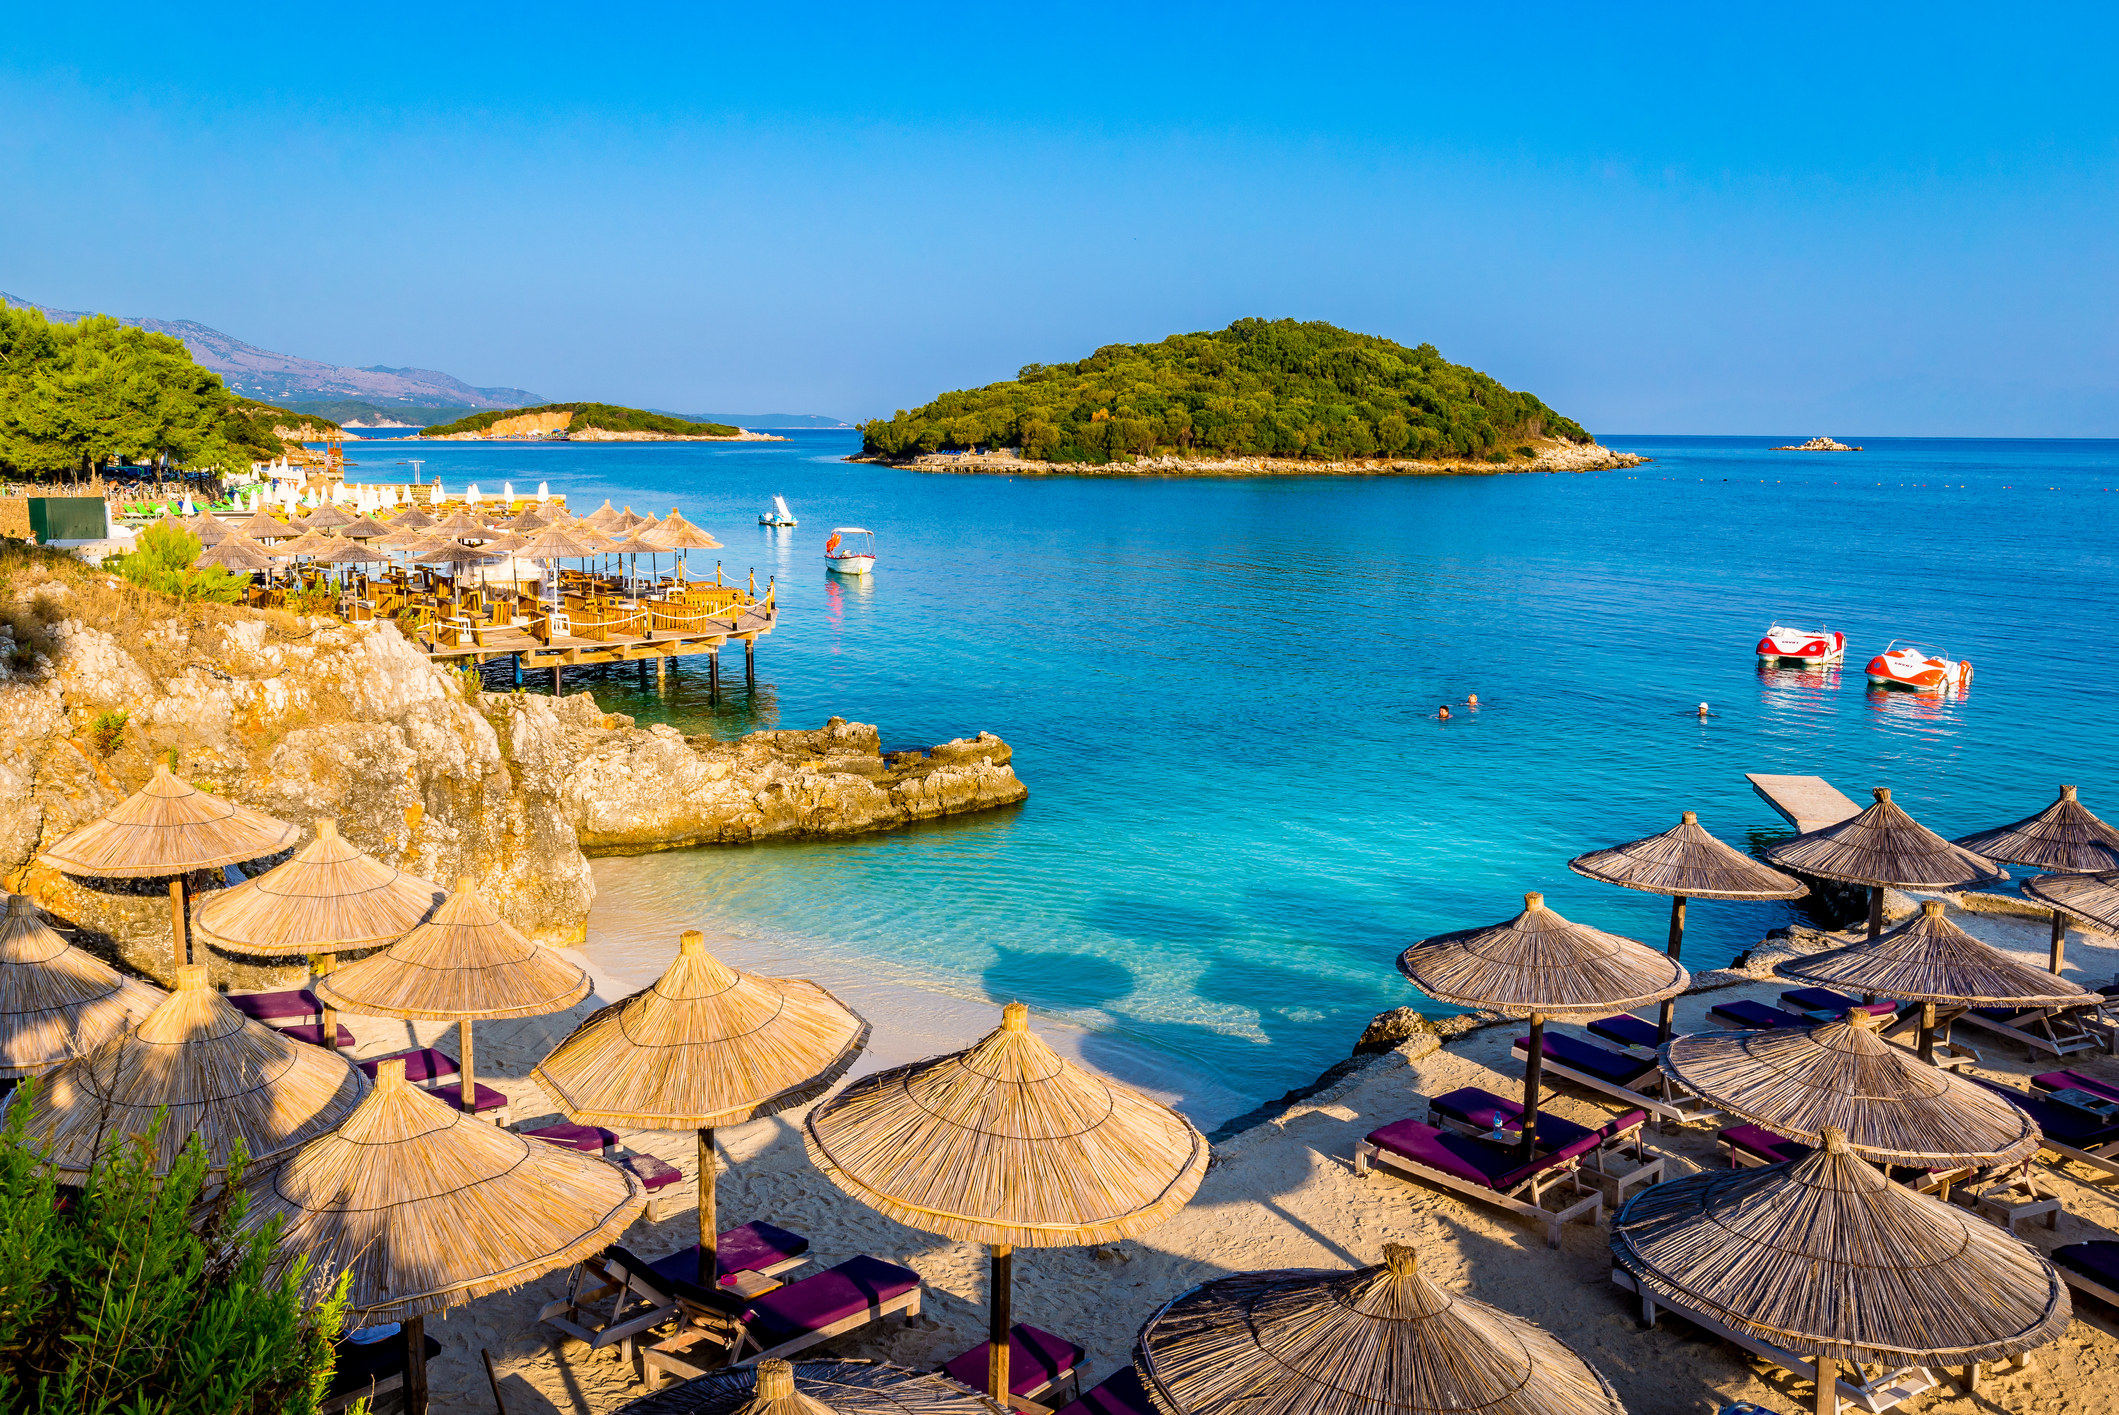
{"x": 1221, "y": 694}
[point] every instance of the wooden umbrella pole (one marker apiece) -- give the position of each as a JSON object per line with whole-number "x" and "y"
{"x": 1927, "y": 1032}
{"x": 1876, "y": 910}
{"x": 180, "y": 949}
{"x": 1827, "y": 1386}
{"x": 463, "y": 1048}
{"x": 1666, "y": 1023}
{"x": 415, "y": 1333}
{"x": 709, "y": 1236}
{"x": 321, "y": 967}
{"x": 1533, "y": 1076}
{"x": 997, "y": 1337}
{"x": 2059, "y": 942}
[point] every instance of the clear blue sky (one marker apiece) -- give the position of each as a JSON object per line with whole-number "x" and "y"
{"x": 1678, "y": 219}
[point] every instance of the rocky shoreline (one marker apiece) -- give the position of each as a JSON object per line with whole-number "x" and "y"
{"x": 1552, "y": 456}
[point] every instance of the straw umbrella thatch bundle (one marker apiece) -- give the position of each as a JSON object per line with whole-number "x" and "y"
{"x": 822, "y": 1387}
{"x": 238, "y": 553}
{"x": 1825, "y": 1256}
{"x": 426, "y": 1208}
{"x": 1380, "y": 1341}
{"x": 465, "y": 963}
{"x": 212, "y": 530}
{"x": 411, "y": 520}
{"x": 601, "y": 518}
{"x": 627, "y": 520}
{"x": 57, "y": 1001}
{"x": 2092, "y": 898}
{"x": 1891, "y": 1107}
{"x": 463, "y": 523}
{"x": 1007, "y": 1143}
{"x": 678, "y": 535}
{"x": 347, "y": 552}
{"x": 1930, "y": 960}
{"x": 705, "y": 1045}
{"x": 307, "y": 544}
{"x": 326, "y": 517}
{"x": 263, "y": 525}
{"x": 2064, "y": 838}
{"x": 1884, "y": 846}
{"x": 1685, "y": 862}
{"x": 169, "y": 827}
{"x": 366, "y": 528}
{"x": 222, "y": 1076}
{"x": 1544, "y": 967}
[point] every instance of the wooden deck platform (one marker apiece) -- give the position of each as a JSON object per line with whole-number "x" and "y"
{"x": 1806, "y": 802}
{"x": 753, "y": 623}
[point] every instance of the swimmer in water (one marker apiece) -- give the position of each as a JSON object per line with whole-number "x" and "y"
{"x": 1703, "y": 710}
{"x": 1444, "y": 712}
{"x": 1472, "y": 701}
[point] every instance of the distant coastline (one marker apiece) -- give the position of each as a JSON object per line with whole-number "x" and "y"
{"x": 1554, "y": 455}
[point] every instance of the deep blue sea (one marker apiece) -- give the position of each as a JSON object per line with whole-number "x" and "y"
{"x": 1222, "y": 695}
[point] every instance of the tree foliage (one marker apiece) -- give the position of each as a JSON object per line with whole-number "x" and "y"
{"x": 161, "y": 559}
{"x": 141, "y": 1296}
{"x": 1275, "y": 388}
{"x": 97, "y": 391}
{"x": 608, "y": 416}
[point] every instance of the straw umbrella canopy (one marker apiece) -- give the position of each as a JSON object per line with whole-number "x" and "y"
{"x": 465, "y": 963}
{"x": 427, "y": 1208}
{"x": 1008, "y": 1143}
{"x": 169, "y": 828}
{"x": 1685, "y": 862}
{"x": 326, "y": 898}
{"x": 326, "y": 517}
{"x": 263, "y": 525}
{"x": 2063, "y": 838}
{"x": 603, "y": 515}
{"x": 57, "y": 1001}
{"x": 628, "y": 520}
{"x": 212, "y": 530}
{"x": 1382, "y": 1340}
{"x": 347, "y": 552}
{"x": 1544, "y": 967}
{"x": 306, "y": 545}
{"x": 2091, "y": 898}
{"x": 1930, "y": 960}
{"x": 704, "y": 1045}
{"x": 411, "y": 520}
{"x": 1884, "y": 846}
{"x": 1891, "y": 1107}
{"x": 366, "y": 528}
{"x": 239, "y": 553}
{"x": 220, "y": 1075}
{"x": 678, "y": 535}
{"x": 827, "y": 1386}
{"x": 1825, "y": 1256}
{"x": 463, "y": 523}
{"x": 552, "y": 545}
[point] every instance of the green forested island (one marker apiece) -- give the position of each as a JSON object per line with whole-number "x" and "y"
{"x": 606, "y": 416}
{"x": 1272, "y": 388}
{"x": 88, "y": 394}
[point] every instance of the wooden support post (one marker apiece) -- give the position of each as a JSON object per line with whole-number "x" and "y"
{"x": 555, "y": 679}
{"x": 709, "y": 1238}
{"x": 180, "y": 936}
{"x": 463, "y": 1046}
{"x": 997, "y": 1335}
{"x": 750, "y": 665}
{"x": 713, "y": 676}
{"x": 518, "y": 669}
{"x": 321, "y": 966}
{"x": 643, "y": 672}
{"x": 1876, "y": 910}
{"x": 662, "y": 668}
{"x": 2059, "y": 958}
{"x": 415, "y": 1393}
{"x": 1927, "y": 1032}
{"x": 1827, "y": 1386}
{"x": 1666, "y": 1022}
{"x": 1533, "y": 1078}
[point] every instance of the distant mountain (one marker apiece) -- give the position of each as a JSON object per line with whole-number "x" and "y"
{"x": 287, "y": 378}
{"x": 762, "y": 422}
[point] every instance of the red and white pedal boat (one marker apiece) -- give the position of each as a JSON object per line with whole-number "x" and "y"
{"x": 1917, "y": 670}
{"x": 1805, "y": 646}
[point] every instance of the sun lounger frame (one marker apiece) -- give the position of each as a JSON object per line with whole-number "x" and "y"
{"x": 1615, "y": 1187}
{"x": 2082, "y": 1283}
{"x": 669, "y": 1357}
{"x": 619, "y": 1283}
{"x": 1368, "y": 1155}
{"x": 2081, "y": 1039}
{"x": 1882, "y": 1393}
{"x": 1683, "y": 1109}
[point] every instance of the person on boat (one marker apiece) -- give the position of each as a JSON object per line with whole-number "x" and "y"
{"x": 1443, "y": 713}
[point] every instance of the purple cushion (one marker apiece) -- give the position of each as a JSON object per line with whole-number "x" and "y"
{"x": 1753, "y": 1140}
{"x": 652, "y": 1173}
{"x": 1035, "y": 1359}
{"x": 751, "y": 1248}
{"x": 1627, "y": 1030}
{"x": 589, "y": 1139}
{"x": 2075, "y": 1080}
{"x": 1120, "y": 1394}
{"x": 1481, "y": 1162}
{"x": 858, "y": 1285}
{"x": 2063, "y": 1122}
{"x": 1472, "y": 1106}
{"x": 1824, "y": 999}
{"x": 2097, "y": 1261}
{"x": 313, "y": 1033}
{"x": 1755, "y": 1016}
{"x": 1592, "y": 1060}
{"x": 271, "y": 1006}
{"x": 483, "y": 1097}
{"x": 421, "y": 1064}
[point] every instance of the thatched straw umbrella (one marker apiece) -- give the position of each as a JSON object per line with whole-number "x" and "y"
{"x": 1929, "y": 960}
{"x": 411, "y": 520}
{"x": 552, "y": 545}
{"x": 212, "y": 530}
{"x": 1685, "y": 862}
{"x": 326, "y": 517}
{"x": 57, "y": 1001}
{"x": 462, "y": 964}
{"x": 239, "y": 553}
{"x": 1892, "y": 1108}
{"x": 627, "y": 520}
{"x": 366, "y": 528}
{"x": 1827, "y": 1257}
{"x": 463, "y": 524}
{"x": 602, "y": 517}
{"x": 1883, "y": 846}
{"x": 822, "y": 1387}
{"x": 1541, "y": 966}
{"x": 263, "y": 525}
{"x": 427, "y": 1209}
{"x": 2063, "y": 838}
{"x": 221, "y": 1076}
{"x": 704, "y": 1045}
{"x": 169, "y": 828}
{"x": 679, "y": 535}
{"x": 327, "y": 898}
{"x": 1384, "y": 1340}
{"x": 2092, "y": 898}
{"x": 1008, "y": 1143}
{"x": 451, "y": 553}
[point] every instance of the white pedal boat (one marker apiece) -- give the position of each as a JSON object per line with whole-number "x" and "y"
{"x": 779, "y": 515}
{"x": 1804, "y": 646}
{"x": 1917, "y": 670}
{"x": 849, "y": 550}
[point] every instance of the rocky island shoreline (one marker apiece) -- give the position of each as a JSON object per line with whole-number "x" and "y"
{"x": 1552, "y": 456}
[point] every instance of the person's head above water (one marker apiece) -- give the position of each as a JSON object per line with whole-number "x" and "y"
{"x": 1472, "y": 701}
{"x": 1703, "y": 709}
{"x": 1444, "y": 711}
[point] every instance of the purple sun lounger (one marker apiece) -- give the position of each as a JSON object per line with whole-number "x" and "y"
{"x": 1119, "y": 1393}
{"x": 1836, "y": 1003}
{"x": 1627, "y": 1030}
{"x": 646, "y": 1294}
{"x": 1473, "y": 1111}
{"x": 1038, "y": 1363}
{"x": 1492, "y": 1174}
{"x": 276, "y": 1008}
{"x": 856, "y": 1293}
{"x": 1750, "y": 1146}
{"x": 1612, "y": 1072}
{"x": 1749, "y": 1016}
{"x": 2076, "y": 1081}
{"x": 2074, "y": 1134}
{"x": 2091, "y": 1267}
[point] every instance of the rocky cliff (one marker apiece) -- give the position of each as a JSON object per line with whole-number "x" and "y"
{"x": 312, "y": 718}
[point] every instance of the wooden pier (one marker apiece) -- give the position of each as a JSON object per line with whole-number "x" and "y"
{"x": 1806, "y": 802}
{"x": 561, "y": 649}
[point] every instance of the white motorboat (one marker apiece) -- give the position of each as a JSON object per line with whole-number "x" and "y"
{"x": 779, "y": 515}
{"x": 849, "y": 550}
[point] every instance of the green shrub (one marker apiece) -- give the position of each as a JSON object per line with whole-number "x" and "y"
{"x": 141, "y": 1296}
{"x": 107, "y": 732}
{"x": 162, "y": 560}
